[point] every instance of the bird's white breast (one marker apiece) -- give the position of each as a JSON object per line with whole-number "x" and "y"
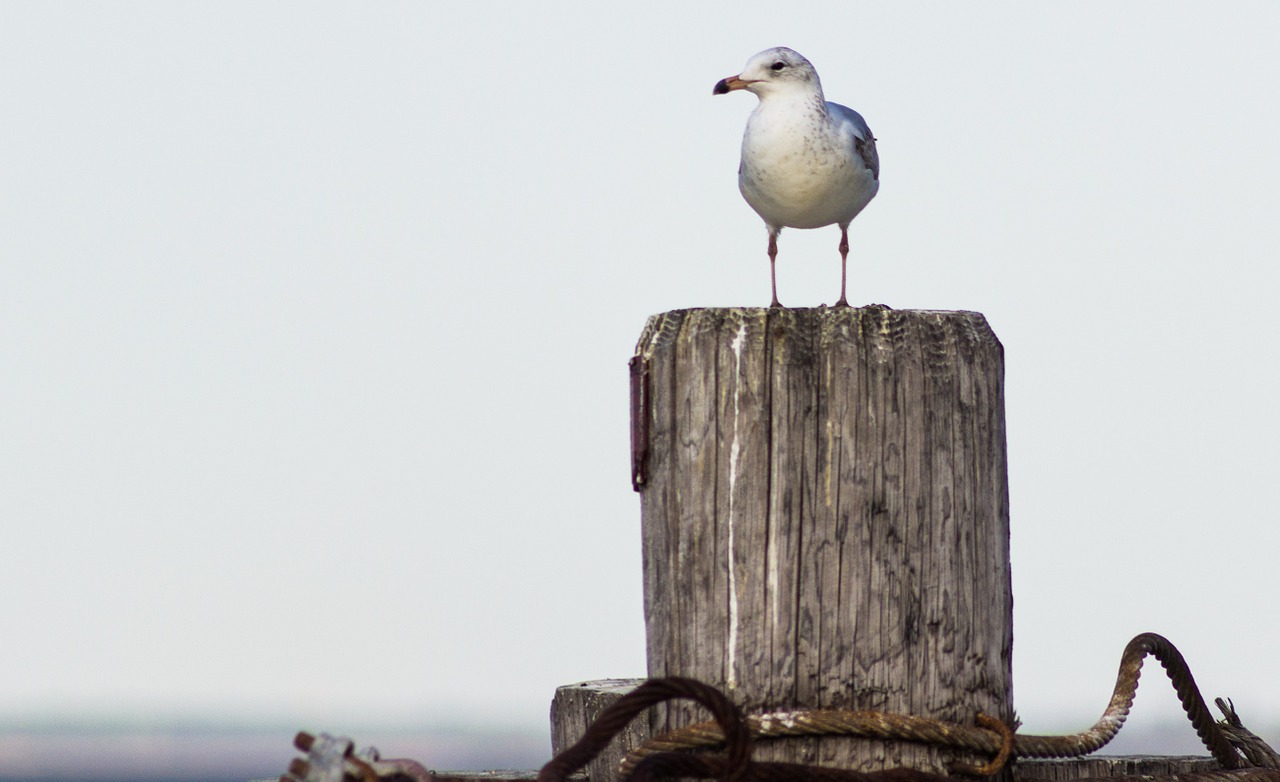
{"x": 800, "y": 169}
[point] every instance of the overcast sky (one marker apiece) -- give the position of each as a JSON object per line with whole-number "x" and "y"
{"x": 315, "y": 319}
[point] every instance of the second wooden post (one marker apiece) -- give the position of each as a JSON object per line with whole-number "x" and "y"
{"x": 825, "y": 516}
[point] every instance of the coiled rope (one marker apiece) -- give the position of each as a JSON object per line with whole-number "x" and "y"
{"x": 882, "y": 725}
{"x": 736, "y": 764}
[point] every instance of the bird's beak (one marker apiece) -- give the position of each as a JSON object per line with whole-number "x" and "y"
{"x": 728, "y": 85}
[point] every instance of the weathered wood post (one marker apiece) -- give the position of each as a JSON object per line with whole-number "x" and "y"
{"x": 824, "y": 503}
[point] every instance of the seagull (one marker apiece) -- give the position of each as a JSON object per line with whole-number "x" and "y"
{"x": 806, "y": 163}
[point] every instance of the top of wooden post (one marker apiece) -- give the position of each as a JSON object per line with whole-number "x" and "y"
{"x": 871, "y": 318}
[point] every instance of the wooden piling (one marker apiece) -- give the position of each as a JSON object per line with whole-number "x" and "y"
{"x": 824, "y": 504}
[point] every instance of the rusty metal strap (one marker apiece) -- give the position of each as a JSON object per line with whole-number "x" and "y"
{"x": 640, "y": 412}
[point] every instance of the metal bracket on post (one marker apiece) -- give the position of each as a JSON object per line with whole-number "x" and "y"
{"x": 639, "y": 420}
{"x": 335, "y": 759}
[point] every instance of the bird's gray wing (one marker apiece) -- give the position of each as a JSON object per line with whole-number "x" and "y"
{"x": 863, "y": 141}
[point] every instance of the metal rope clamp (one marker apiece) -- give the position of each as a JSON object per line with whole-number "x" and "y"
{"x": 334, "y": 758}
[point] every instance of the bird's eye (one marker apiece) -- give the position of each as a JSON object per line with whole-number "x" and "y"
{"x": 777, "y": 66}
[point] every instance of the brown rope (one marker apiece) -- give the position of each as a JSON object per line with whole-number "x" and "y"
{"x": 993, "y": 766}
{"x": 882, "y": 725}
{"x": 663, "y": 757}
{"x": 1254, "y": 749}
{"x": 734, "y": 766}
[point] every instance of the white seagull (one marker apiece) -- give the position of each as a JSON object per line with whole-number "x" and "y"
{"x": 806, "y": 163}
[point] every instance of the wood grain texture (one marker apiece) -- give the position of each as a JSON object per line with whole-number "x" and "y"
{"x": 1096, "y": 766}
{"x": 825, "y": 517}
{"x": 576, "y": 706}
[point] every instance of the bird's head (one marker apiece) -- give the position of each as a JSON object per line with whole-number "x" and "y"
{"x": 774, "y": 70}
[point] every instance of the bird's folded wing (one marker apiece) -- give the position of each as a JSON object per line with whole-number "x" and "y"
{"x": 863, "y": 140}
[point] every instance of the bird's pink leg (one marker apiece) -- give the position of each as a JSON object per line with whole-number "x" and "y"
{"x": 773, "y": 270}
{"x": 844, "y": 264}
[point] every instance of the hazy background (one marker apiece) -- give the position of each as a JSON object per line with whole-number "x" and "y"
{"x": 314, "y": 322}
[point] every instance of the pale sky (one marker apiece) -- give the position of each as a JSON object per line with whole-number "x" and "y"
{"x": 315, "y": 319}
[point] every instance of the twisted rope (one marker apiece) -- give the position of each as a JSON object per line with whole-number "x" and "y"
{"x": 1254, "y": 749}
{"x": 734, "y": 766}
{"x": 882, "y": 725}
{"x": 612, "y": 720}
{"x": 666, "y": 757}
